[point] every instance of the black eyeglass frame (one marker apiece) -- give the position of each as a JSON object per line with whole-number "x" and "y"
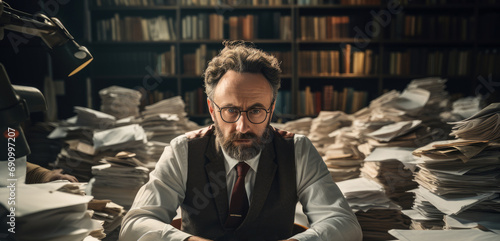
{"x": 239, "y": 111}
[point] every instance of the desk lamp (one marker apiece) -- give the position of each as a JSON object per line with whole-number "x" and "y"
{"x": 17, "y": 102}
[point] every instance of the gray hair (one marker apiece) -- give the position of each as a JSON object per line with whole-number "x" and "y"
{"x": 242, "y": 58}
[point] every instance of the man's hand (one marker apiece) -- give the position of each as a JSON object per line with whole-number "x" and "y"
{"x": 57, "y": 175}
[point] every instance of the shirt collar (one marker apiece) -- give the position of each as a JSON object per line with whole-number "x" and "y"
{"x": 231, "y": 162}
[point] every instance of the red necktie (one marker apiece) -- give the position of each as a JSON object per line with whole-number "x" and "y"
{"x": 239, "y": 202}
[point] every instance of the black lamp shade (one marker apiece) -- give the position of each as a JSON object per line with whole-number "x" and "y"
{"x": 71, "y": 57}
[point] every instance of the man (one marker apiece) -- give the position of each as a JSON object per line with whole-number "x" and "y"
{"x": 240, "y": 179}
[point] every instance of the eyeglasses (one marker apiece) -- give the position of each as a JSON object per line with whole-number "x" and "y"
{"x": 254, "y": 115}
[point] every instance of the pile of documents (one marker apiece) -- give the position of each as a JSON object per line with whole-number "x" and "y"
{"x": 162, "y": 122}
{"x": 390, "y": 167}
{"x": 154, "y": 149}
{"x": 375, "y": 212}
{"x": 457, "y": 176}
{"x": 300, "y": 126}
{"x": 77, "y": 158}
{"x": 484, "y": 125}
{"x": 44, "y": 213}
{"x": 108, "y": 212}
{"x": 120, "y": 138}
{"x": 459, "y": 167}
{"x": 119, "y": 178}
{"x": 91, "y": 135}
{"x": 324, "y": 124}
{"x": 438, "y": 98}
{"x": 93, "y": 118}
{"x": 343, "y": 157}
{"x": 466, "y": 234}
{"x": 120, "y": 102}
{"x": 463, "y": 108}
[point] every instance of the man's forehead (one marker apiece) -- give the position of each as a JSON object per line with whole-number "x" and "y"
{"x": 243, "y": 89}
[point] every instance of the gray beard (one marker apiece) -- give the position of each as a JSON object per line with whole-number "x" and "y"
{"x": 243, "y": 152}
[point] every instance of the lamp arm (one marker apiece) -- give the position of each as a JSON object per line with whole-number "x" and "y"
{"x": 50, "y": 30}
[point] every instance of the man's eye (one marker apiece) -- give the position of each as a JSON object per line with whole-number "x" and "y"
{"x": 232, "y": 110}
{"x": 255, "y": 111}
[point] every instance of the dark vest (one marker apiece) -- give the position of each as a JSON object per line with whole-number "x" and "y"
{"x": 272, "y": 206}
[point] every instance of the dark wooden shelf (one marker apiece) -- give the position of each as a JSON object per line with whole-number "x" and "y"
{"x": 132, "y": 77}
{"x": 294, "y": 81}
{"x": 337, "y": 6}
{"x": 340, "y": 76}
{"x": 239, "y": 7}
{"x": 440, "y": 7}
{"x": 124, "y": 43}
{"x": 335, "y": 41}
{"x": 133, "y": 8}
{"x": 256, "y": 41}
{"x": 191, "y": 76}
{"x": 388, "y": 76}
{"x": 427, "y": 42}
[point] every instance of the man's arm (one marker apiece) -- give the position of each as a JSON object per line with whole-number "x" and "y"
{"x": 328, "y": 212}
{"x": 157, "y": 201}
{"x": 38, "y": 174}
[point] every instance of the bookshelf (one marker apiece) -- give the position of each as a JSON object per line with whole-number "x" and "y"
{"x": 335, "y": 54}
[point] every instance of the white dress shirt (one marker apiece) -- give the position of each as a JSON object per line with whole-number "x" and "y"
{"x": 155, "y": 205}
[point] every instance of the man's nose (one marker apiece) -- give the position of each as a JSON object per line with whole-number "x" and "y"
{"x": 243, "y": 124}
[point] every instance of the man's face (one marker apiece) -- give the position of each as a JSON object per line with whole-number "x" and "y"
{"x": 243, "y": 139}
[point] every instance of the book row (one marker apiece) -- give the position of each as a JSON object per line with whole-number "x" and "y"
{"x": 335, "y": 62}
{"x": 277, "y": 26}
{"x": 418, "y": 61}
{"x": 194, "y": 64}
{"x": 227, "y": 3}
{"x": 347, "y": 60}
{"x": 130, "y": 28}
{"x": 336, "y": 2}
{"x": 431, "y": 27}
{"x": 347, "y": 100}
{"x": 251, "y": 26}
{"x": 134, "y": 3}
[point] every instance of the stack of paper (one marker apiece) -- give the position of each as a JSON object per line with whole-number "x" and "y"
{"x": 174, "y": 105}
{"x": 438, "y": 97}
{"x": 300, "y": 126}
{"x": 164, "y": 127}
{"x": 154, "y": 149}
{"x": 390, "y": 166}
{"x": 120, "y": 102}
{"x": 43, "y": 213}
{"x": 390, "y": 132}
{"x": 93, "y": 118}
{"x": 324, "y": 124}
{"x": 448, "y": 235}
{"x": 120, "y": 138}
{"x": 110, "y": 213}
{"x": 455, "y": 176}
{"x": 484, "y": 125}
{"x": 163, "y": 121}
{"x": 119, "y": 179}
{"x": 375, "y": 212}
{"x": 343, "y": 160}
{"x": 474, "y": 219}
{"x": 463, "y": 108}
{"x": 77, "y": 158}
{"x": 464, "y": 167}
